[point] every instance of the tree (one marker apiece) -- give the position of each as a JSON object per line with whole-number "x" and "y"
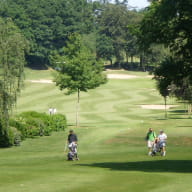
{"x": 115, "y": 25}
{"x": 12, "y": 59}
{"x": 104, "y": 47}
{"x": 46, "y": 24}
{"x": 113, "y": 22}
{"x": 78, "y": 70}
{"x": 164, "y": 76}
{"x": 169, "y": 23}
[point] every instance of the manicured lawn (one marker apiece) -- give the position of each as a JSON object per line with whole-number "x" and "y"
{"x": 111, "y": 142}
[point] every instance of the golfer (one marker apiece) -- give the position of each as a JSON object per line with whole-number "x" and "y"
{"x": 162, "y": 138}
{"x": 72, "y": 143}
{"x": 72, "y": 137}
{"x": 150, "y": 138}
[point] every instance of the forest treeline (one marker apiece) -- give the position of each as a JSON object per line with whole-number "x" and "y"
{"x": 108, "y": 29}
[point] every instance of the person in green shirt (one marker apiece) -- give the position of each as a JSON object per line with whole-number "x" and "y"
{"x": 150, "y": 138}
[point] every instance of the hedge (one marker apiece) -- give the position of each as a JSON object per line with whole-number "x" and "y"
{"x": 32, "y": 124}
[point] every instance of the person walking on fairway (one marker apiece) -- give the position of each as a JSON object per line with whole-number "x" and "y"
{"x": 150, "y": 138}
{"x": 72, "y": 143}
{"x": 162, "y": 138}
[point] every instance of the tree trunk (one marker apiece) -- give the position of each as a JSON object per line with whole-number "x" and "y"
{"x": 131, "y": 59}
{"x": 165, "y": 100}
{"x": 142, "y": 66}
{"x": 111, "y": 61}
{"x": 77, "y": 108}
{"x": 141, "y": 61}
{"x": 189, "y": 109}
{"x": 127, "y": 58}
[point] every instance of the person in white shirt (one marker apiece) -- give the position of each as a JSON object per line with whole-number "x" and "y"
{"x": 162, "y": 138}
{"x": 50, "y": 110}
{"x": 54, "y": 110}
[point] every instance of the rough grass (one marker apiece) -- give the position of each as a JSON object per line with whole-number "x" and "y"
{"x": 111, "y": 142}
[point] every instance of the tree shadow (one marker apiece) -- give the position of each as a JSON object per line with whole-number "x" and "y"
{"x": 184, "y": 126}
{"x": 179, "y": 118}
{"x": 178, "y": 111}
{"x": 176, "y": 166}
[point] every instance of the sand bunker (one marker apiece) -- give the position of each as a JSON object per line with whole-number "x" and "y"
{"x": 121, "y": 76}
{"x": 46, "y": 81}
{"x": 162, "y": 107}
{"x": 109, "y": 76}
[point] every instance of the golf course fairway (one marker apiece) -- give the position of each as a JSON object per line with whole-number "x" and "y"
{"x": 112, "y": 146}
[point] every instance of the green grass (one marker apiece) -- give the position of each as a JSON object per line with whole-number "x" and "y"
{"x": 111, "y": 142}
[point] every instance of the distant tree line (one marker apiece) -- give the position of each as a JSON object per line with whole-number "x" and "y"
{"x": 108, "y": 29}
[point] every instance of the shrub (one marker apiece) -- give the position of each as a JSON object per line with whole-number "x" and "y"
{"x": 32, "y": 124}
{"x": 9, "y": 137}
{"x": 14, "y": 136}
{"x": 19, "y": 126}
{"x": 4, "y": 137}
{"x": 58, "y": 122}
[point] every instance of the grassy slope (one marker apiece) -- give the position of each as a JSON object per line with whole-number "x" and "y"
{"x": 112, "y": 147}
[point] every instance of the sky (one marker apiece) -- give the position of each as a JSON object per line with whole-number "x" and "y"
{"x": 139, "y": 4}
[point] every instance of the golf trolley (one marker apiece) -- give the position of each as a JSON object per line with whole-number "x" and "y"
{"x": 158, "y": 148}
{"x": 72, "y": 154}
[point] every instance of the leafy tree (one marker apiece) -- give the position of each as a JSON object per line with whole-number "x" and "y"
{"x": 47, "y": 23}
{"x": 170, "y": 23}
{"x": 131, "y": 46}
{"x": 113, "y": 22}
{"x": 12, "y": 59}
{"x": 104, "y": 47}
{"x": 164, "y": 76}
{"x": 78, "y": 69}
{"x": 115, "y": 26}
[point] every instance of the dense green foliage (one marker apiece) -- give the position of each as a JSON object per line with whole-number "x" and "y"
{"x": 113, "y": 27}
{"x": 12, "y": 60}
{"x": 170, "y": 23}
{"x": 78, "y": 68}
{"x": 31, "y": 124}
{"x": 46, "y": 24}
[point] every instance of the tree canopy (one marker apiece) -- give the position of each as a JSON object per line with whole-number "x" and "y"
{"x": 12, "y": 60}
{"x": 169, "y": 23}
{"x": 46, "y": 24}
{"x": 78, "y": 68}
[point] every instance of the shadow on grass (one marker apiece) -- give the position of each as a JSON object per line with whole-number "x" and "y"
{"x": 184, "y": 126}
{"x": 177, "y": 166}
{"x": 162, "y": 119}
{"x": 179, "y": 118}
{"x": 178, "y": 111}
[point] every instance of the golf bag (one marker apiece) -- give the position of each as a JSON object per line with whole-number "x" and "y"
{"x": 72, "y": 154}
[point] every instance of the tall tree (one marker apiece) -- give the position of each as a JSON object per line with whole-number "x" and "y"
{"x": 12, "y": 59}
{"x": 170, "y": 23}
{"x": 47, "y": 23}
{"x": 113, "y": 23}
{"x": 104, "y": 47}
{"x": 78, "y": 70}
